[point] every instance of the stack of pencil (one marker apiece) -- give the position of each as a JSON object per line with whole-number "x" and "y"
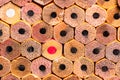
{"x": 59, "y": 39}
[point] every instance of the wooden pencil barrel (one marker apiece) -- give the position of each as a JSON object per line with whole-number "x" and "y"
{"x": 31, "y": 12}
{"x": 30, "y": 49}
{"x": 20, "y": 31}
{"x": 64, "y": 3}
{"x": 42, "y": 31}
{"x": 62, "y": 67}
{"x": 31, "y": 77}
{"x": 105, "y": 68}
{"x": 5, "y": 66}
{"x": 112, "y": 51}
{"x": 74, "y": 15}
{"x": 10, "y": 49}
{"x": 4, "y": 31}
{"x": 113, "y": 16}
{"x": 106, "y": 3}
{"x": 52, "y": 14}
{"x": 93, "y": 77}
{"x": 83, "y": 67}
{"x": 21, "y": 2}
{"x": 51, "y": 49}
{"x": 85, "y": 33}
{"x": 95, "y": 51}
{"x": 51, "y": 77}
{"x": 72, "y": 77}
{"x": 106, "y": 33}
{"x": 20, "y": 67}
{"x": 96, "y": 15}
{"x": 73, "y": 50}
{"x": 63, "y": 32}
{"x": 42, "y": 2}
{"x": 41, "y": 67}
{"x": 85, "y": 3}
{"x": 10, "y": 13}
{"x": 2, "y": 2}
{"x": 10, "y": 76}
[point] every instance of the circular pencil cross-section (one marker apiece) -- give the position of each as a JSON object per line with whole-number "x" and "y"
{"x": 51, "y": 77}
{"x": 10, "y": 76}
{"x": 93, "y": 77}
{"x": 51, "y": 49}
{"x": 95, "y": 15}
{"x": 4, "y": 66}
{"x": 73, "y": 50}
{"x": 113, "y": 51}
{"x": 83, "y": 67}
{"x": 10, "y": 49}
{"x": 74, "y": 15}
{"x": 105, "y": 68}
{"x": 4, "y": 31}
{"x": 113, "y": 16}
{"x": 20, "y": 67}
{"x": 105, "y": 33}
{"x": 10, "y": 13}
{"x": 31, "y": 12}
{"x": 20, "y": 31}
{"x": 85, "y": 3}
{"x": 42, "y": 31}
{"x": 21, "y": 2}
{"x": 42, "y": 2}
{"x": 64, "y": 3}
{"x": 30, "y": 49}
{"x": 54, "y": 14}
{"x": 106, "y": 3}
{"x": 85, "y": 33}
{"x": 63, "y": 32}
{"x": 41, "y": 67}
{"x": 72, "y": 77}
{"x": 62, "y": 67}
{"x": 31, "y": 77}
{"x": 95, "y": 51}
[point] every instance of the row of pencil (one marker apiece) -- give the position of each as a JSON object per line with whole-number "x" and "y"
{"x": 61, "y": 67}
{"x": 52, "y": 14}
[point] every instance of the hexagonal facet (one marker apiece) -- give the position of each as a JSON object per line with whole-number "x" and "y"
{"x": 10, "y": 13}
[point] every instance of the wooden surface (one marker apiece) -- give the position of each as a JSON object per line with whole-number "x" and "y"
{"x": 59, "y": 39}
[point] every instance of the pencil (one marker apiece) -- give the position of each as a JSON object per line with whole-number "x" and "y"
{"x": 51, "y": 49}
{"x": 21, "y": 31}
{"x": 10, "y": 13}
{"x": 106, "y": 33}
{"x": 83, "y": 67}
{"x": 73, "y": 50}
{"x": 95, "y": 51}
{"x": 31, "y": 77}
{"x": 31, "y": 49}
{"x": 117, "y": 68}
{"x": 42, "y": 31}
{"x": 4, "y": 31}
{"x": 42, "y": 2}
{"x": 95, "y": 15}
{"x": 41, "y": 67}
{"x": 93, "y": 77}
{"x": 62, "y": 67}
{"x": 105, "y": 68}
{"x": 10, "y": 49}
{"x": 5, "y": 66}
{"x": 10, "y": 76}
{"x": 64, "y": 3}
{"x": 52, "y": 14}
{"x": 31, "y": 12}
{"x": 72, "y": 77}
{"x": 20, "y": 67}
{"x": 2, "y": 2}
{"x": 51, "y": 77}
{"x": 85, "y": 33}
{"x": 74, "y": 15}
{"x": 63, "y": 33}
